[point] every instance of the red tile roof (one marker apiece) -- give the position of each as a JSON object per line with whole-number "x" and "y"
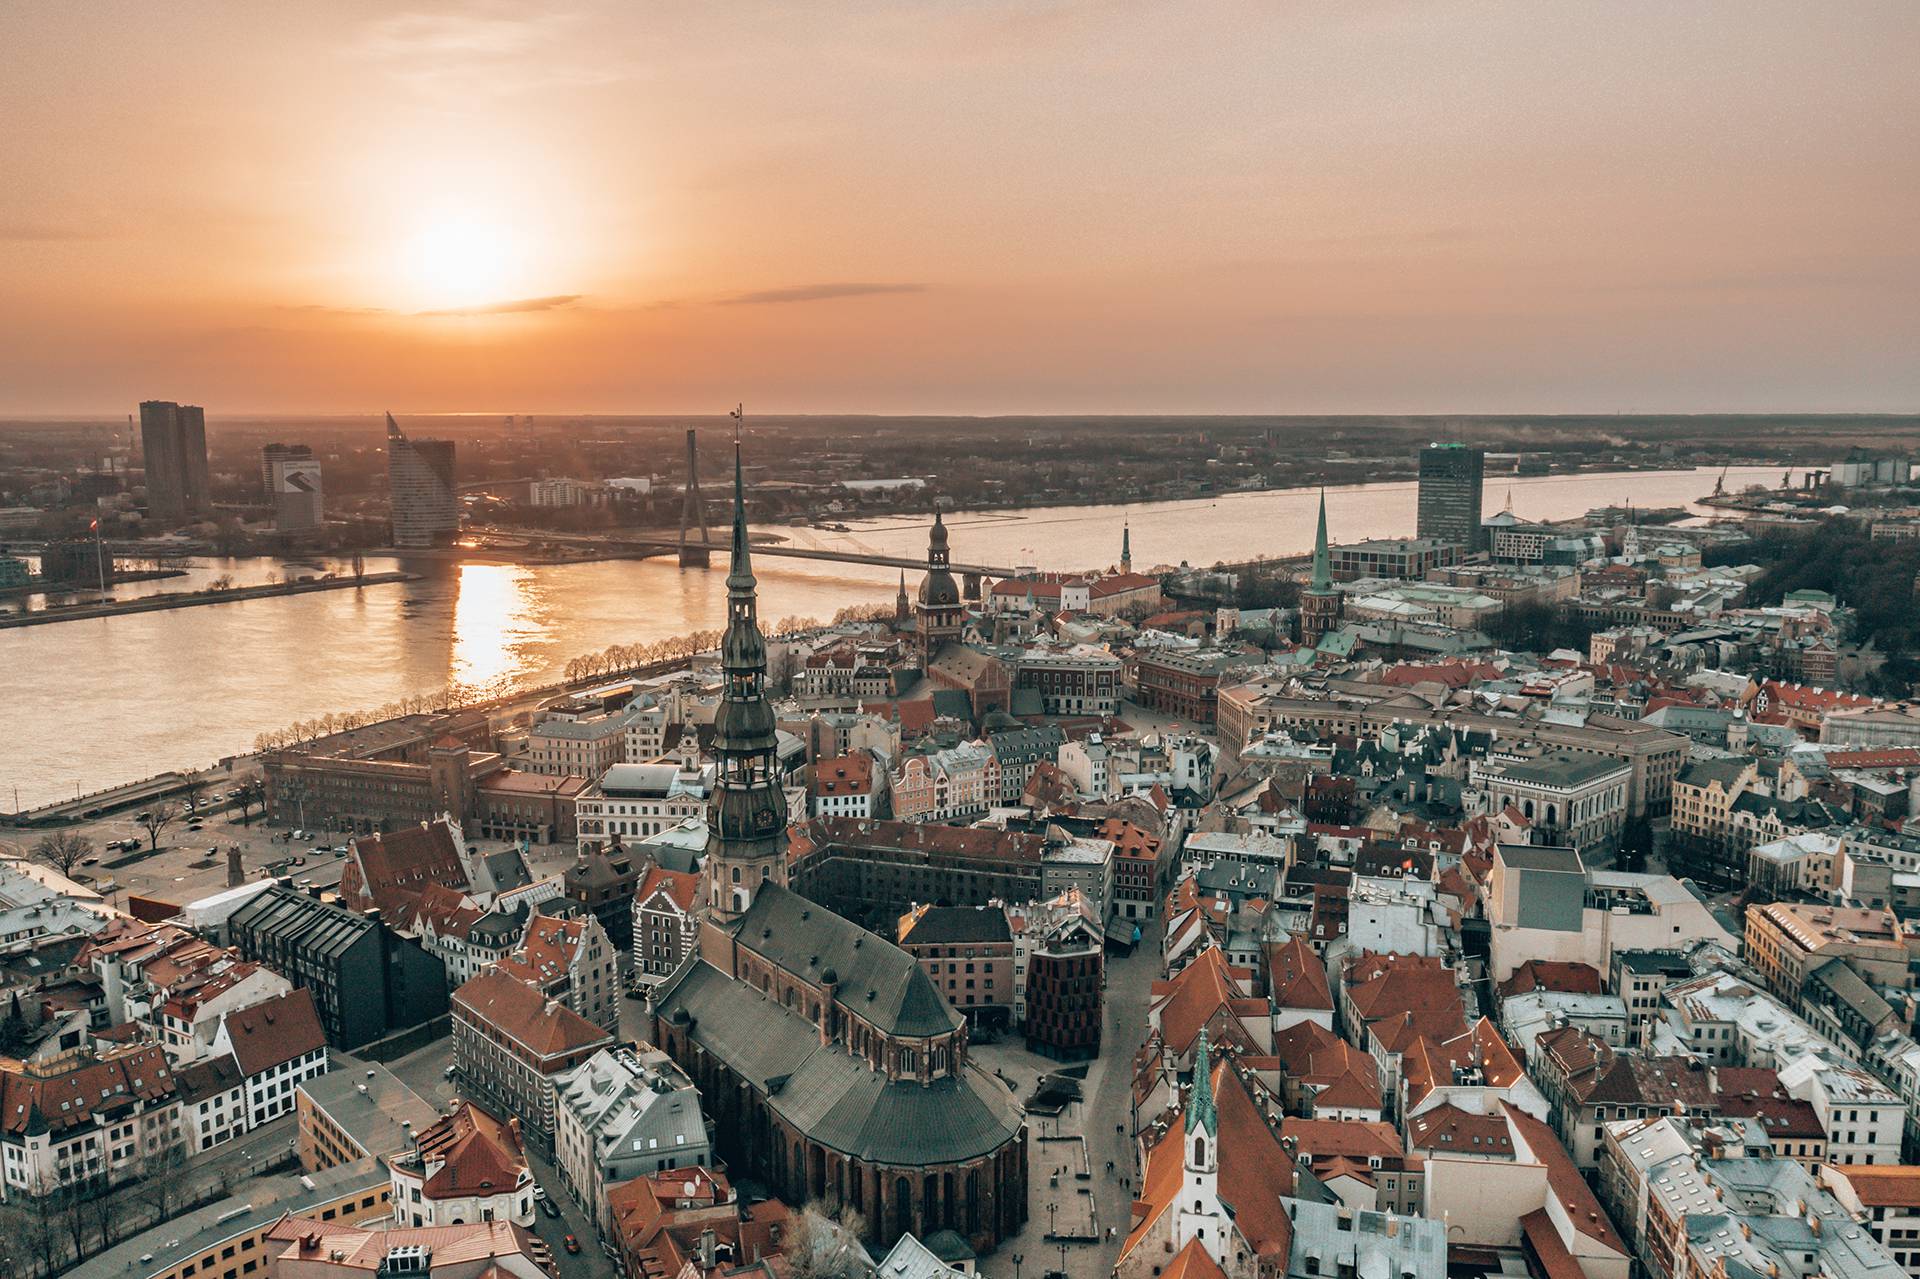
{"x": 1296, "y": 978}
{"x": 545, "y": 1028}
{"x": 275, "y": 1031}
{"x": 391, "y": 870}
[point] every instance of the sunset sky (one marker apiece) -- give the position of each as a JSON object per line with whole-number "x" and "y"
{"x": 961, "y": 206}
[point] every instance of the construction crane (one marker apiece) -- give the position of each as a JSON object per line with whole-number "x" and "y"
{"x": 1720, "y": 485}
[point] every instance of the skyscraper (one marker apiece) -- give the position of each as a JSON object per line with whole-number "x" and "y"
{"x": 275, "y": 452}
{"x": 173, "y": 439}
{"x": 748, "y": 817}
{"x": 426, "y": 510}
{"x": 1450, "y": 480}
{"x": 297, "y": 494}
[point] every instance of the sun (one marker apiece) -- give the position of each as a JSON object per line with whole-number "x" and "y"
{"x": 462, "y": 261}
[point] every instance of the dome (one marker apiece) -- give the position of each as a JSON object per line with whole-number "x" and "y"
{"x": 939, "y": 590}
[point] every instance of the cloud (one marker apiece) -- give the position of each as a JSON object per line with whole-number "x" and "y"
{"x": 491, "y": 51}
{"x": 818, "y": 293}
{"x": 518, "y": 306}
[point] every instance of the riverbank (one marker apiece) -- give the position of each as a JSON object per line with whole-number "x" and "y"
{"x": 163, "y": 603}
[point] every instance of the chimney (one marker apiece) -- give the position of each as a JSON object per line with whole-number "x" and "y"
{"x": 707, "y": 1249}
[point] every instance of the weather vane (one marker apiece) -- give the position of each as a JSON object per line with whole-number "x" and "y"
{"x": 739, "y": 416}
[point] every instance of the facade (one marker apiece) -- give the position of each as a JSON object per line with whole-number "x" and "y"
{"x": 1787, "y": 941}
{"x": 295, "y": 489}
{"x": 601, "y": 881}
{"x": 1064, "y": 989}
{"x": 566, "y": 746}
{"x": 1019, "y": 751}
{"x": 634, "y": 801}
{"x": 1181, "y": 683}
{"x": 835, "y": 1069}
{"x": 1451, "y": 477}
{"x": 620, "y": 1114}
{"x": 879, "y": 869}
{"x": 1404, "y": 559}
{"x": 967, "y": 953}
{"x": 365, "y": 979}
{"x": 466, "y": 1167}
{"x": 88, "y": 1120}
{"x": 948, "y": 784}
{"x": 511, "y": 1043}
{"x": 173, "y": 442}
{"x": 571, "y": 960}
{"x": 666, "y": 921}
{"x": 420, "y": 485}
{"x": 849, "y": 785}
{"x": 277, "y": 1045}
{"x": 1578, "y": 801}
{"x": 1081, "y": 680}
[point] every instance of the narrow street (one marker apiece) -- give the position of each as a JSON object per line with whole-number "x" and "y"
{"x": 1102, "y": 1118}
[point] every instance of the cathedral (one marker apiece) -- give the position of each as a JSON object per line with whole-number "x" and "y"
{"x": 832, "y": 1067}
{"x": 1320, "y": 603}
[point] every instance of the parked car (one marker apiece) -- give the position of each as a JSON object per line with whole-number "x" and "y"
{"x": 547, "y": 1206}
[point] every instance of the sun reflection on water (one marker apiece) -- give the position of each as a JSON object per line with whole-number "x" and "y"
{"x": 495, "y": 622}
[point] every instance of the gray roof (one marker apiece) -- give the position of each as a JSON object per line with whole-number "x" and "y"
{"x": 1541, "y": 857}
{"x": 313, "y": 925}
{"x": 372, "y": 1103}
{"x": 831, "y": 1096}
{"x": 944, "y": 924}
{"x": 1562, "y": 768}
{"x": 876, "y": 978}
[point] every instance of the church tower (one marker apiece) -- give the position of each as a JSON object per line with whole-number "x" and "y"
{"x": 747, "y": 820}
{"x": 902, "y": 606}
{"x": 1320, "y": 603}
{"x": 1126, "y": 548}
{"x": 938, "y": 614}
{"x": 1200, "y": 1210}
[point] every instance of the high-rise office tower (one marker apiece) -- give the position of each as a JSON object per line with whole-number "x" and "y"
{"x": 273, "y": 453}
{"x": 1450, "y": 480}
{"x": 293, "y": 480}
{"x": 426, "y": 510}
{"x": 173, "y": 438}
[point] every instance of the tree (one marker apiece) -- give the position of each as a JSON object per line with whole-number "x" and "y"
{"x": 193, "y": 781}
{"x": 62, "y": 850}
{"x": 156, "y": 819}
{"x": 249, "y": 794}
{"x": 224, "y": 582}
{"x": 16, "y": 1033}
{"x": 823, "y": 1242}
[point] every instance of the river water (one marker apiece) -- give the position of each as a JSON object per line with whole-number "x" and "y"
{"x": 87, "y": 704}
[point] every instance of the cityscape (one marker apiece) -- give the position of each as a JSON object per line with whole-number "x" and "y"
{"x": 841, "y": 727}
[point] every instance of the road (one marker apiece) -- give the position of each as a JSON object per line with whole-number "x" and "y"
{"x": 1101, "y": 1118}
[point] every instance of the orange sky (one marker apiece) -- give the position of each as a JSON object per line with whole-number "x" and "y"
{"x": 961, "y": 206}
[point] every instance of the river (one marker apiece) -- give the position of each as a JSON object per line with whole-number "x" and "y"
{"x": 91, "y": 703}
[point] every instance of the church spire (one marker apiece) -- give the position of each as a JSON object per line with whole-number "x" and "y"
{"x": 747, "y": 817}
{"x": 1201, "y": 1114}
{"x": 1322, "y": 561}
{"x": 740, "y": 580}
{"x": 1126, "y": 547}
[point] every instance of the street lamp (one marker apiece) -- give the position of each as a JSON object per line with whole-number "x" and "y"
{"x": 1017, "y": 1259}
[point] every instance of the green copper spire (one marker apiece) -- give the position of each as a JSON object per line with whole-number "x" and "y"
{"x": 1200, "y": 1109}
{"x": 1322, "y": 561}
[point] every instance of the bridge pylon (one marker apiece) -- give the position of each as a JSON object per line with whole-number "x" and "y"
{"x": 693, "y": 512}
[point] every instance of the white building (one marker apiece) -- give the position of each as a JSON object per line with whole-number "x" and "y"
{"x": 469, "y": 1167}
{"x": 624, "y": 1113}
{"x": 634, "y": 801}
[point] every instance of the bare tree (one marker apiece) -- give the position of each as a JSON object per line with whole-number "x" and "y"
{"x": 62, "y": 850}
{"x": 249, "y": 794}
{"x": 823, "y": 1242}
{"x": 156, "y": 819}
{"x": 193, "y": 782}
